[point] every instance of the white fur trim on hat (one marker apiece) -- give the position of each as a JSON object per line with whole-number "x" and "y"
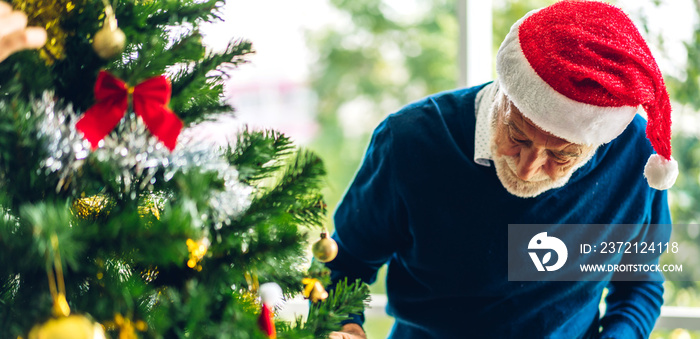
{"x": 661, "y": 174}
{"x": 550, "y": 110}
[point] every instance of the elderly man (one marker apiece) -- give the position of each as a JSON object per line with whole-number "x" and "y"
{"x": 554, "y": 141}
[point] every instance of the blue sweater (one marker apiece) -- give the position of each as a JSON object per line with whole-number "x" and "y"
{"x": 421, "y": 203}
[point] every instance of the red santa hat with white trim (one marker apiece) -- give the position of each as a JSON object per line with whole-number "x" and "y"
{"x": 579, "y": 70}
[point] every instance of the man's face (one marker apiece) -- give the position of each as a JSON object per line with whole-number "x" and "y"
{"x": 529, "y": 160}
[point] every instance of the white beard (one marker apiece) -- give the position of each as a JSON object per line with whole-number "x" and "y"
{"x": 538, "y": 184}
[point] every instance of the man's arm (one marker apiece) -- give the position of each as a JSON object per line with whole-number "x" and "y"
{"x": 633, "y": 306}
{"x": 632, "y": 309}
{"x": 14, "y": 33}
{"x": 368, "y": 222}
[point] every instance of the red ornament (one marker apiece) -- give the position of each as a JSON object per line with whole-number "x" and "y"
{"x": 267, "y": 322}
{"x": 149, "y": 99}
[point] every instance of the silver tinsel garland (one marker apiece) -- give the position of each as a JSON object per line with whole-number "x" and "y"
{"x": 66, "y": 148}
{"x": 137, "y": 155}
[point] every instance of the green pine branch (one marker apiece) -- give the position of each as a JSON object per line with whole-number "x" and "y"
{"x": 325, "y": 316}
{"x": 20, "y": 154}
{"x": 255, "y": 154}
{"x": 177, "y": 12}
{"x": 274, "y": 217}
{"x": 300, "y": 178}
{"x": 197, "y": 89}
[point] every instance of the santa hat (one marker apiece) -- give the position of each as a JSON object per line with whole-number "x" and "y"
{"x": 579, "y": 70}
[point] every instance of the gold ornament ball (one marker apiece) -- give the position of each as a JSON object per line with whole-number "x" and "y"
{"x": 109, "y": 42}
{"x": 73, "y": 327}
{"x": 325, "y": 249}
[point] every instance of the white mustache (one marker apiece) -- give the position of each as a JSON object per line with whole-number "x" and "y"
{"x": 539, "y": 177}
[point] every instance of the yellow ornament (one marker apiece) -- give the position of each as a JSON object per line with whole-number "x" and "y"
{"x": 127, "y": 328}
{"x": 150, "y": 206}
{"x": 325, "y": 249}
{"x": 94, "y": 207}
{"x": 150, "y": 274}
{"x": 64, "y": 326}
{"x": 60, "y": 306}
{"x": 110, "y": 39}
{"x": 72, "y": 327}
{"x": 314, "y": 290}
{"x": 318, "y": 293}
{"x": 197, "y": 249}
{"x": 91, "y": 208}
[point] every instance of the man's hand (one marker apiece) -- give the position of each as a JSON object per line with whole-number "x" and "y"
{"x": 14, "y": 33}
{"x": 349, "y": 331}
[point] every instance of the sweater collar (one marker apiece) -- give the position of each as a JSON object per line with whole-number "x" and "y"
{"x": 483, "y": 132}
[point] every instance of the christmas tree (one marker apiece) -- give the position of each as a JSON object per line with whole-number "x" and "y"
{"x": 116, "y": 224}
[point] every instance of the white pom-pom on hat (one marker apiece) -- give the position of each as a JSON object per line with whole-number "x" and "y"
{"x": 661, "y": 173}
{"x": 271, "y": 294}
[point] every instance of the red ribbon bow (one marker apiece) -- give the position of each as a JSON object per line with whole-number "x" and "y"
{"x": 148, "y": 99}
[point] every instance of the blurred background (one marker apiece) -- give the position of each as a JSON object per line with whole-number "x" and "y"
{"x": 326, "y": 72}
